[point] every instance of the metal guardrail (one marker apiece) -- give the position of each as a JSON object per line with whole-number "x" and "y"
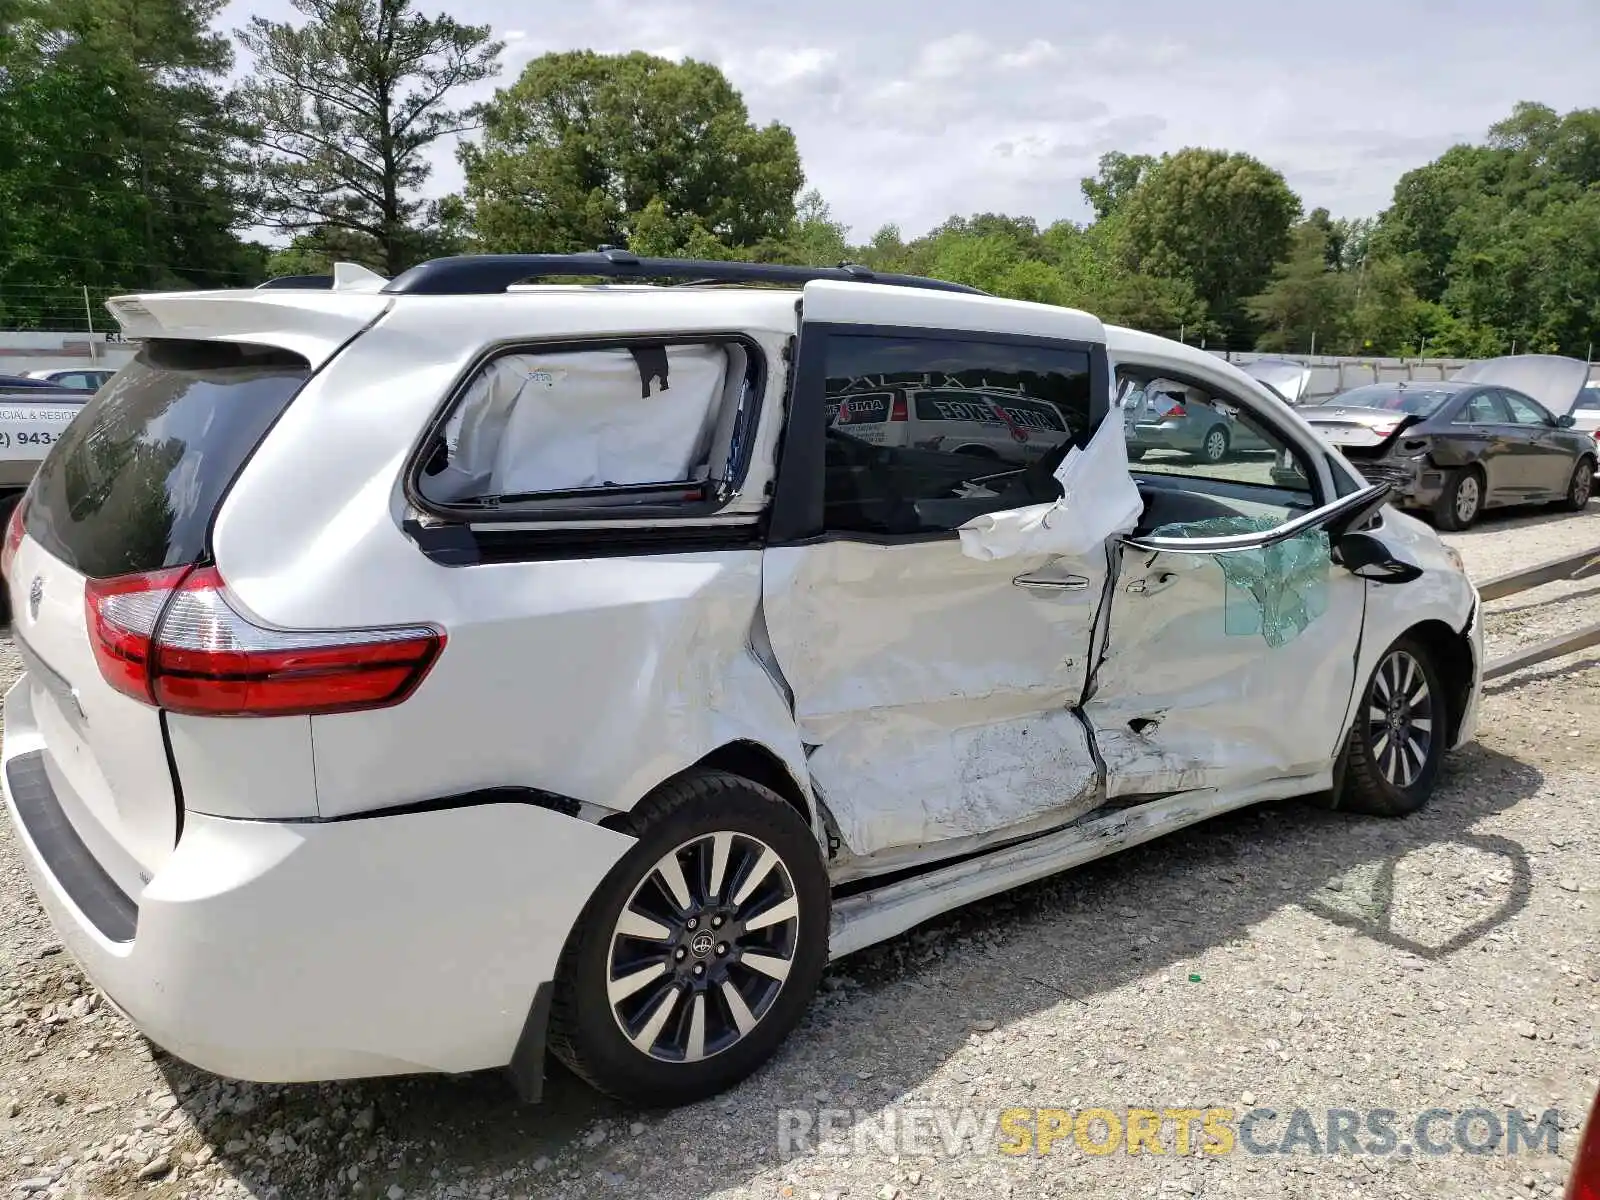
{"x": 1571, "y": 568}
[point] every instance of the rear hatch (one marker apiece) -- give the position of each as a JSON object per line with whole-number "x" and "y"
{"x": 130, "y": 488}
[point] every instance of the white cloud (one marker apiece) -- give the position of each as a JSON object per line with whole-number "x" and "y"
{"x": 908, "y": 113}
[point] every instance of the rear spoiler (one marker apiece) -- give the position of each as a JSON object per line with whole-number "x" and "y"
{"x": 311, "y": 323}
{"x": 346, "y": 277}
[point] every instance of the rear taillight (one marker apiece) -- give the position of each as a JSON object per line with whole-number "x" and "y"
{"x": 13, "y": 538}
{"x": 1177, "y": 410}
{"x": 171, "y": 638}
{"x": 898, "y": 410}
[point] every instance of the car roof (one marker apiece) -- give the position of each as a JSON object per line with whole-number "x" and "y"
{"x": 316, "y": 321}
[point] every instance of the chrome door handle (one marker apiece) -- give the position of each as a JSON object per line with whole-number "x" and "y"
{"x": 1059, "y": 583}
{"x": 1151, "y": 584}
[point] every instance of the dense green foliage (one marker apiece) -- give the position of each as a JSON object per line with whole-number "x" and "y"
{"x": 125, "y": 162}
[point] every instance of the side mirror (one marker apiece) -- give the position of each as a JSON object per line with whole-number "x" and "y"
{"x": 1366, "y": 556}
{"x": 1566, "y": 421}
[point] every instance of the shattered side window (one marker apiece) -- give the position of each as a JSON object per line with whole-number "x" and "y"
{"x": 534, "y": 425}
{"x": 1274, "y": 592}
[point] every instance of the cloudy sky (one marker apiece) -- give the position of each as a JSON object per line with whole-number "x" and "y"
{"x": 909, "y": 110}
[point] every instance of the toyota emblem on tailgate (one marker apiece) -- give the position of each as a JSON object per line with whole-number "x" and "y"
{"x": 35, "y": 595}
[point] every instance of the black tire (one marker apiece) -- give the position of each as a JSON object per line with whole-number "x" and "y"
{"x": 1214, "y": 446}
{"x": 1391, "y": 762}
{"x": 683, "y": 819}
{"x": 7, "y": 503}
{"x": 1462, "y": 501}
{"x": 1135, "y": 453}
{"x": 1580, "y": 487}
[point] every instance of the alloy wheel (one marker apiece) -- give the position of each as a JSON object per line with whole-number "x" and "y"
{"x": 1468, "y": 497}
{"x": 1216, "y": 446}
{"x": 703, "y": 946}
{"x": 1582, "y": 483}
{"x": 1400, "y": 718}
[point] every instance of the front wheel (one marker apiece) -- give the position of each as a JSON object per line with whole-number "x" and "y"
{"x": 700, "y": 951}
{"x": 1580, "y": 486}
{"x": 1398, "y": 738}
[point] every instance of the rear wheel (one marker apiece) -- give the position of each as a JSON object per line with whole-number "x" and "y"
{"x": 1461, "y": 502}
{"x": 1580, "y": 487}
{"x": 700, "y": 951}
{"x": 1215, "y": 446}
{"x": 1398, "y": 738}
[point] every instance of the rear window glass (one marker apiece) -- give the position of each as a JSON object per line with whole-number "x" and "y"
{"x": 134, "y": 481}
{"x": 1420, "y": 402}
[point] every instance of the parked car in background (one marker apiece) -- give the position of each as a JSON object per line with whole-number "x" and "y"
{"x": 638, "y": 687}
{"x": 89, "y": 379}
{"x": 1456, "y": 447}
{"x": 1586, "y": 416}
{"x": 1007, "y": 426}
{"x": 33, "y": 415}
{"x": 1164, "y": 414}
{"x": 1290, "y": 379}
{"x": 14, "y": 383}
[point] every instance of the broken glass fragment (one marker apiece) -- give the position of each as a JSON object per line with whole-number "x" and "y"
{"x": 1275, "y": 591}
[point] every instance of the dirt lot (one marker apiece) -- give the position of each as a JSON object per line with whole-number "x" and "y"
{"x": 1281, "y": 958}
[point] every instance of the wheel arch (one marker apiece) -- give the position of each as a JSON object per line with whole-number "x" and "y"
{"x": 1451, "y": 652}
{"x": 753, "y": 761}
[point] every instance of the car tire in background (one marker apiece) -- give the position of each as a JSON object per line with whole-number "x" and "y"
{"x": 1214, "y": 446}
{"x": 700, "y": 951}
{"x": 1580, "y": 487}
{"x": 1462, "y": 501}
{"x": 7, "y": 503}
{"x": 1398, "y": 737}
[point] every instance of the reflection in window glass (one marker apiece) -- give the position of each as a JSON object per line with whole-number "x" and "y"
{"x": 1176, "y": 428}
{"x": 926, "y": 433}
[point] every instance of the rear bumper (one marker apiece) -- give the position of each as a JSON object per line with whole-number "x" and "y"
{"x": 281, "y": 951}
{"x": 1416, "y": 484}
{"x": 1166, "y": 437}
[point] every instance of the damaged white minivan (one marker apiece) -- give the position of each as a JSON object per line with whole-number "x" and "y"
{"x": 423, "y": 674}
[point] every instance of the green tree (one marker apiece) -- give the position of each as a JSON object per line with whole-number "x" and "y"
{"x": 1218, "y": 219}
{"x": 1307, "y": 301}
{"x": 343, "y": 109}
{"x": 1118, "y": 175}
{"x": 118, "y": 160}
{"x": 575, "y": 151}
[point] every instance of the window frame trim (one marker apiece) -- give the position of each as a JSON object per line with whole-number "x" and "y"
{"x": 717, "y": 500}
{"x": 796, "y": 516}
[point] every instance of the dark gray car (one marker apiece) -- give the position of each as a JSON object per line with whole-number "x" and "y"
{"x": 1456, "y": 447}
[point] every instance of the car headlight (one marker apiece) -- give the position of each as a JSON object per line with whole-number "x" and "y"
{"x": 1455, "y": 559}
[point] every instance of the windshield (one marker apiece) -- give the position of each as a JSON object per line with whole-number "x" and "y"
{"x": 1393, "y": 397}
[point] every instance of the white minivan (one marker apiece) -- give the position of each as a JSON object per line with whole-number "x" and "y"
{"x": 423, "y": 674}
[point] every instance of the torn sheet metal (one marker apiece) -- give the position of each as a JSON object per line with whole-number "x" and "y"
{"x": 1274, "y": 592}
{"x": 1099, "y": 501}
{"x": 549, "y": 422}
{"x": 929, "y": 681}
{"x": 911, "y": 778}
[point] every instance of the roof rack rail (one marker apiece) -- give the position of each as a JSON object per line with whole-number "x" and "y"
{"x": 488, "y": 274}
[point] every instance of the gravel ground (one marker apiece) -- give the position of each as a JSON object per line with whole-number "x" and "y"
{"x": 1282, "y": 958}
